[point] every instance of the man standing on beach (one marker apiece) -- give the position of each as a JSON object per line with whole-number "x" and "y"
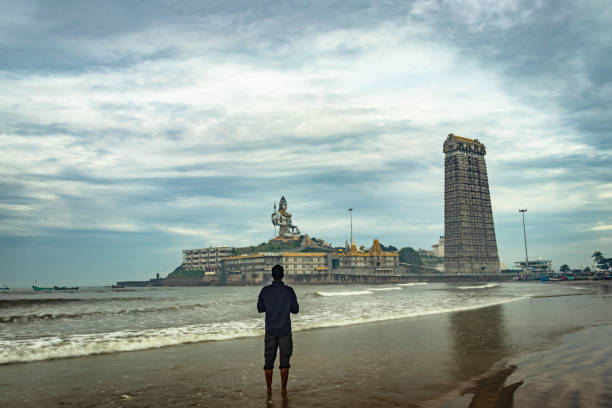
{"x": 277, "y": 300}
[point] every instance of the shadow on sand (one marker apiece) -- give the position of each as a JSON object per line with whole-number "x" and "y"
{"x": 490, "y": 392}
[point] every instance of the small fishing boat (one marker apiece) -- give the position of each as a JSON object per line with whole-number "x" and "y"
{"x": 117, "y": 286}
{"x": 5, "y": 288}
{"x": 39, "y": 288}
{"x": 65, "y": 288}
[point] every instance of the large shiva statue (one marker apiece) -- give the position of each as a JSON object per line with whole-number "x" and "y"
{"x": 282, "y": 219}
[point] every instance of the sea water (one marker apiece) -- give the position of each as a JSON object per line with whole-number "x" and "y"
{"x": 46, "y": 325}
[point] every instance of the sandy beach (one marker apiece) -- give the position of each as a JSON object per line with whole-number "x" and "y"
{"x": 548, "y": 351}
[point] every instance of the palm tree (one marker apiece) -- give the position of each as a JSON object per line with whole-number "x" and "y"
{"x": 597, "y": 258}
{"x": 597, "y": 255}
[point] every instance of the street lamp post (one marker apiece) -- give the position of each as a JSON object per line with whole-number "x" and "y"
{"x": 351, "y": 214}
{"x": 523, "y": 211}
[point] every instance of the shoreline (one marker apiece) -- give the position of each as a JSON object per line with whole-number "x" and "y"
{"x": 404, "y": 362}
{"x": 296, "y": 329}
{"x": 412, "y": 279}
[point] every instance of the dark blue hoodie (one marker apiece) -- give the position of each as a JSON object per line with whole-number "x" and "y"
{"x": 277, "y": 300}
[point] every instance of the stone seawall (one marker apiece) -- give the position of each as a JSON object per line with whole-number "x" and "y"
{"x": 335, "y": 278}
{"x": 370, "y": 279}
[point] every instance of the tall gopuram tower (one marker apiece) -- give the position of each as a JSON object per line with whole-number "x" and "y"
{"x": 470, "y": 246}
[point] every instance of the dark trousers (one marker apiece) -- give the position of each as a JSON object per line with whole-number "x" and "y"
{"x": 271, "y": 344}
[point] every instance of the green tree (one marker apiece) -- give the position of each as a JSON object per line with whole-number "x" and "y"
{"x": 564, "y": 268}
{"x": 389, "y": 248}
{"x": 179, "y": 272}
{"x": 409, "y": 256}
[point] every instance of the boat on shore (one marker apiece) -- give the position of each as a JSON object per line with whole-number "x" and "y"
{"x": 55, "y": 288}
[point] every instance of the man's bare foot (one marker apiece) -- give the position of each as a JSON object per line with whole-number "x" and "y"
{"x": 284, "y": 377}
{"x": 269, "y": 381}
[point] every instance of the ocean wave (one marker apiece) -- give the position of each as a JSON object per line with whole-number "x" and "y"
{"x": 488, "y": 285}
{"x": 52, "y": 347}
{"x": 412, "y": 284}
{"x": 55, "y": 316}
{"x": 345, "y": 293}
{"x": 26, "y": 350}
{"x": 52, "y": 301}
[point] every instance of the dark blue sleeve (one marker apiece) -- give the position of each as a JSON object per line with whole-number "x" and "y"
{"x": 261, "y": 307}
{"x": 295, "y": 307}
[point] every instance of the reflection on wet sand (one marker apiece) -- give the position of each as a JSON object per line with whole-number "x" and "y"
{"x": 479, "y": 340}
{"x": 270, "y": 402}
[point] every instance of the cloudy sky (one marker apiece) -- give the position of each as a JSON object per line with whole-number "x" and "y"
{"x": 132, "y": 130}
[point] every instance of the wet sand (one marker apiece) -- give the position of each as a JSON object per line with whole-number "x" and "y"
{"x": 539, "y": 352}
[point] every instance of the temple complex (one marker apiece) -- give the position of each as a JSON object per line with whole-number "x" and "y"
{"x": 470, "y": 246}
{"x": 304, "y": 265}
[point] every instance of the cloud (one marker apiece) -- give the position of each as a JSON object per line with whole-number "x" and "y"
{"x": 186, "y": 121}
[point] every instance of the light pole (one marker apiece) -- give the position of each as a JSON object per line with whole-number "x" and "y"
{"x": 523, "y": 211}
{"x": 351, "y": 214}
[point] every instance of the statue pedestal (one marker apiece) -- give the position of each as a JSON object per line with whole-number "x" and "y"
{"x": 284, "y": 240}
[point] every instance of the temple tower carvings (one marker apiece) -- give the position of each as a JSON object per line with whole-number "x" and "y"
{"x": 469, "y": 233}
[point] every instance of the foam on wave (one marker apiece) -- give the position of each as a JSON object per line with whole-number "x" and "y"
{"x": 346, "y": 293}
{"x": 52, "y": 347}
{"x": 384, "y": 289}
{"x": 488, "y": 285}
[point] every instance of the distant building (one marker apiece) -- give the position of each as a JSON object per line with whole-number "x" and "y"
{"x": 304, "y": 263}
{"x": 311, "y": 266}
{"x": 256, "y": 268}
{"x": 537, "y": 266}
{"x": 424, "y": 252}
{"x": 438, "y": 249}
{"x": 205, "y": 259}
{"x": 248, "y": 268}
